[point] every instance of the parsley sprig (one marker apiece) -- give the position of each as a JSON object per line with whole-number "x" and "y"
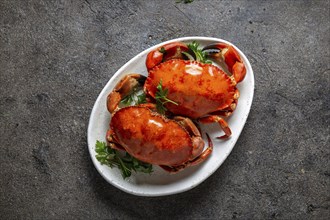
{"x": 137, "y": 96}
{"x": 161, "y": 98}
{"x": 126, "y": 164}
{"x": 200, "y": 55}
{"x": 162, "y": 50}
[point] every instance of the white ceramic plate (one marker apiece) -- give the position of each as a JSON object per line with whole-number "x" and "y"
{"x": 160, "y": 183}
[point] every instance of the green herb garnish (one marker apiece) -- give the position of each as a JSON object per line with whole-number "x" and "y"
{"x": 137, "y": 96}
{"x": 161, "y": 98}
{"x": 199, "y": 54}
{"x": 141, "y": 98}
{"x": 162, "y": 50}
{"x": 126, "y": 164}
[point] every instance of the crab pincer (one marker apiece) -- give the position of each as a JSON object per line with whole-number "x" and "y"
{"x": 166, "y": 52}
{"x": 229, "y": 55}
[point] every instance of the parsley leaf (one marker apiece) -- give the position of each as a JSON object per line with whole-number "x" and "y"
{"x": 199, "y": 54}
{"x": 111, "y": 157}
{"x": 161, "y": 98}
{"x": 162, "y": 50}
{"x": 137, "y": 96}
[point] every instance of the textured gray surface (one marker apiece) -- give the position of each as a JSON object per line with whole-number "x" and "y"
{"x": 56, "y": 56}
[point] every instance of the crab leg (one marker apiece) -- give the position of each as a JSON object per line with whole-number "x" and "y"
{"x": 198, "y": 143}
{"x": 193, "y": 162}
{"x": 205, "y": 153}
{"x": 122, "y": 89}
{"x": 223, "y": 124}
{"x": 112, "y": 142}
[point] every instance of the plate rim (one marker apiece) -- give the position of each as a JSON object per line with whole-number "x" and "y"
{"x": 113, "y": 77}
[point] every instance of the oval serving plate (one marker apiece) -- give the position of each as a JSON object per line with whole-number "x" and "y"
{"x": 161, "y": 183}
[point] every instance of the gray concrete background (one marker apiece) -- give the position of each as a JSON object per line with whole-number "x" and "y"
{"x": 56, "y": 56}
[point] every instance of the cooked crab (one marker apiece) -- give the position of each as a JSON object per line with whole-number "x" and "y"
{"x": 202, "y": 91}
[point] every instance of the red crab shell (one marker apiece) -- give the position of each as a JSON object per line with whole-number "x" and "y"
{"x": 199, "y": 89}
{"x": 152, "y": 138}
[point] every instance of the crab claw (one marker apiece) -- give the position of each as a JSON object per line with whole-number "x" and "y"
{"x": 164, "y": 53}
{"x": 228, "y": 54}
{"x": 122, "y": 89}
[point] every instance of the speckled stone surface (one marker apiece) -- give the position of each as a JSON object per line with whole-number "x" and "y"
{"x": 56, "y": 56}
